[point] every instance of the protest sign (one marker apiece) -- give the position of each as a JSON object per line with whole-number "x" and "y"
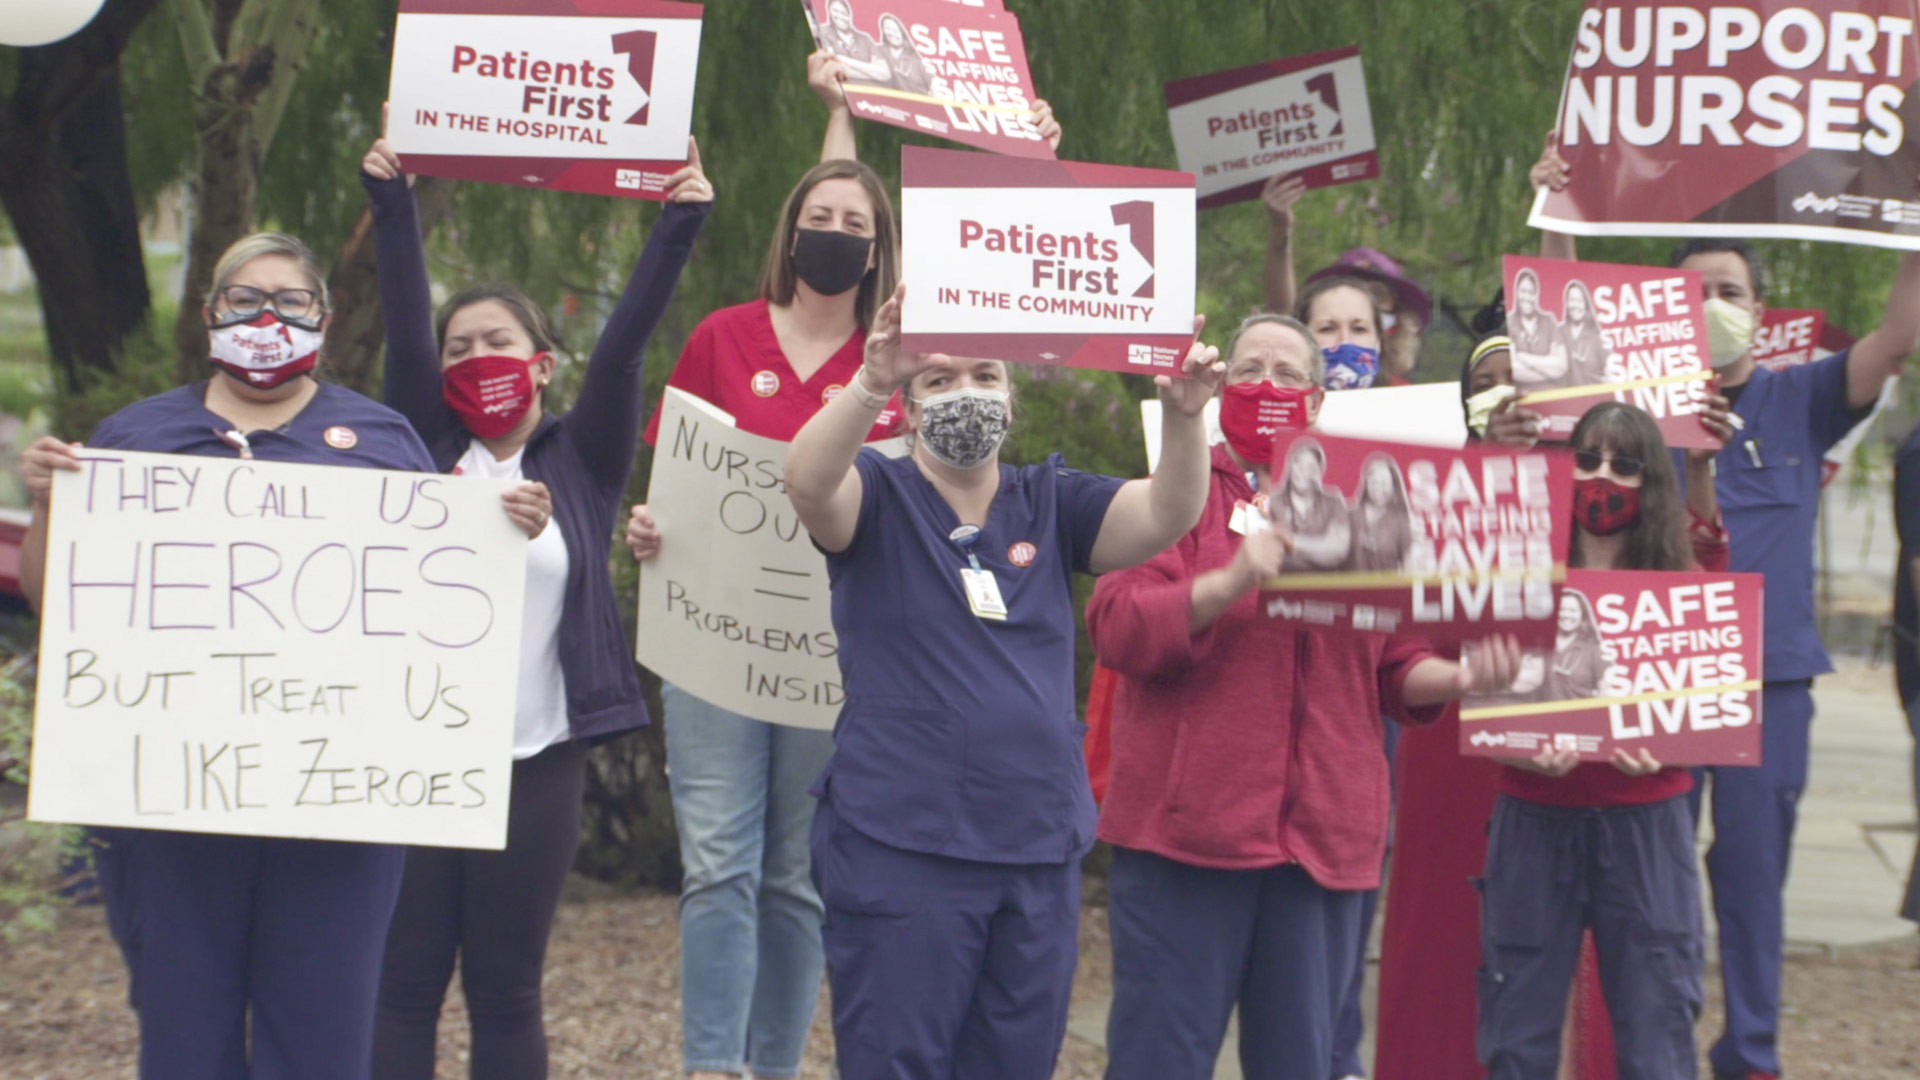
{"x": 1769, "y": 118}
{"x": 1308, "y": 115}
{"x": 1666, "y": 662}
{"x": 264, "y": 649}
{"x": 1447, "y": 544}
{"x": 1788, "y": 338}
{"x": 574, "y": 95}
{"x": 1424, "y": 413}
{"x": 1046, "y": 262}
{"x": 955, "y": 70}
{"x": 735, "y": 608}
{"x": 1584, "y": 333}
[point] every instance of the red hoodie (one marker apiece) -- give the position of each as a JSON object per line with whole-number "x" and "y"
{"x": 1252, "y": 743}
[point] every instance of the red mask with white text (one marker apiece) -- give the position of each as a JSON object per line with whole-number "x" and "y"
{"x": 490, "y": 394}
{"x": 1253, "y": 414}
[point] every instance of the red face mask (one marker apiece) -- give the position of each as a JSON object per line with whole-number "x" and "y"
{"x": 1253, "y": 414}
{"x": 1604, "y": 507}
{"x": 490, "y": 394}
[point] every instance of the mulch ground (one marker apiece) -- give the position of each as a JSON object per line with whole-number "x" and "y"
{"x": 613, "y": 1002}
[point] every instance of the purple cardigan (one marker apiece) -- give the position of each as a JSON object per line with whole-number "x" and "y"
{"x": 584, "y": 457}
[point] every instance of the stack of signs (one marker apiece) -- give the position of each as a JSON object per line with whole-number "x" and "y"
{"x": 1046, "y": 262}
{"x": 574, "y": 95}
{"x": 1308, "y": 115}
{"x": 956, "y": 70}
{"x": 1772, "y": 118}
{"x": 1666, "y": 662}
{"x": 1446, "y": 544}
{"x": 1584, "y": 333}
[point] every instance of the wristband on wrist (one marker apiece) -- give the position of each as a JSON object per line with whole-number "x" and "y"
{"x": 866, "y": 396}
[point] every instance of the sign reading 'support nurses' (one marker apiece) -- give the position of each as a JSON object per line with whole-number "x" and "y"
{"x": 735, "y": 609}
{"x": 1666, "y": 662}
{"x": 1046, "y": 262}
{"x": 575, "y": 95}
{"x": 267, "y": 649}
{"x": 1308, "y": 115}
{"x": 1445, "y": 544}
{"x": 1764, "y": 118}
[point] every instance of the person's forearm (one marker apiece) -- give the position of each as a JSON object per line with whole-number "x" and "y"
{"x": 1178, "y": 490}
{"x": 1213, "y": 593}
{"x": 1701, "y": 497}
{"x": 1557, "y": 245}
{"x": 1432, "y": 681}
{"x": 412, "y": 367}
{"x": 1279, "y": 269}
{"x": 33, "y": 557}
{"x": 839, "y": 144}
{"x": 823, "y": 451}
{"x": 1882, "y": 354}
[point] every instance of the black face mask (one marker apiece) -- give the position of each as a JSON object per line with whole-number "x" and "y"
{"x": 830, "y": 261}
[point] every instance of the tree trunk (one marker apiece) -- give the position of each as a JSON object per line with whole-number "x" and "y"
{"x": 225, "y": 180}
{"x": 355, "y": 337}
{"x": 67, "y": 192}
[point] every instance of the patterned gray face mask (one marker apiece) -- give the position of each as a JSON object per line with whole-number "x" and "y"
{"x": 962, "y": 428}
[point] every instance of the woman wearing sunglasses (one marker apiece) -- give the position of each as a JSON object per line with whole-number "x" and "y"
{"x": 1606, "y": 848}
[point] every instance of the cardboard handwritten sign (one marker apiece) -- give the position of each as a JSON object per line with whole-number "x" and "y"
{"x": 938, "y": 67}
{"x": 735, "y": 609}
{"x": 1448, "y": 544}
{"x": 1309, "y": 114}
{"x": 1584, "y": 333}
{"x": 1768, "y": 118}
{"x": 267, "y": 649}
{"x": 1047, "y": 262}
{"x": 574, "y": 95}
{"x": 1666, "y": 661}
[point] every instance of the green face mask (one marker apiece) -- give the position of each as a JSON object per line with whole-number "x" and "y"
{"x": 1481, "y": 405}
{"x": 1729, "y": 332}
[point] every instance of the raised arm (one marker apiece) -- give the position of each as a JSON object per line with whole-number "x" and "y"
{"x": 411, "y": 384}
{"x": 1883, "y": 353}
{"x": 1551, "y": 172}
{"x": 1147, "y": 516}
{"x": 609, "y": 407}
{"x": 826, "y": 75}
{"x": 1280, "y": 196}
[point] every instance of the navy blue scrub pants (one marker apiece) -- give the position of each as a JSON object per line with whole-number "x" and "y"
{"x": 234, "y": 942}
{"x": 1351, "y": 1025}
{"x": 1628, "y": 873}
{"x": 943, "y": 969}
{"x": 1189, "y": 943}
{"x": 1910, "y": 907}
{"x": 1755, "y": 809}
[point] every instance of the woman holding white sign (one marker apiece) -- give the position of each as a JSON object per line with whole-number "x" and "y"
{"x": 251, "y": 956}
{"x": 1236, "y": 882}
{"x": 956, "y": 808}
{"x": 471, "y": 384}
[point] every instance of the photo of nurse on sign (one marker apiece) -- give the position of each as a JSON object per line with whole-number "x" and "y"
{"x": 1374, "y": 532}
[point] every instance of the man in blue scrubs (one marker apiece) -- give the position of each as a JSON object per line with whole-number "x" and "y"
{"x": 1769, "y": 488}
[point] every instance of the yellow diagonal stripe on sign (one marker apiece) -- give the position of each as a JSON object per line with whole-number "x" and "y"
{"x": 1498, "y": 712}
{"x": 927, "y": 99}
{"x": 1394, "y": 578}
{"x": 1593, "y": 389}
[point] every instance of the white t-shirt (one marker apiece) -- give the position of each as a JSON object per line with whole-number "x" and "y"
{"x": 540, "y": 716}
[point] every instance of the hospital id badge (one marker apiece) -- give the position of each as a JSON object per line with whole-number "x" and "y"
{"x": 983, "y": 594}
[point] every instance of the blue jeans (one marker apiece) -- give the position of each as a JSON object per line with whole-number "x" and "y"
{"x": 750, "y": 952}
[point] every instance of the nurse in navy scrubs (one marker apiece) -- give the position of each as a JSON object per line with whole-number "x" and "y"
{"x": 955, "y": 810}
{"x": 251, "y": 956}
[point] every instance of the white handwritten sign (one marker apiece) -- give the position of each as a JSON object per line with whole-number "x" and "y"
{"x": 735, "y": 609}
{"x": 278, "y": 650}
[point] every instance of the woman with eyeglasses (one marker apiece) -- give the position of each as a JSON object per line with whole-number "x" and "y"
{"x": 251, "y": 956}
{"x": 472, "y": 381}
{"x": 1248, "y": 814}
{"x": 1605, "y": 848}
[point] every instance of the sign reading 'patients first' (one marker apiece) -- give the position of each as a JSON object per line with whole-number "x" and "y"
{"x": 1047, "y": 262}
{"x": 575, "y": 95}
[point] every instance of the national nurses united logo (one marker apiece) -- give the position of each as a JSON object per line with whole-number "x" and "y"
{"x": 765, "y": 383}
{"x": 1022, "y": 554}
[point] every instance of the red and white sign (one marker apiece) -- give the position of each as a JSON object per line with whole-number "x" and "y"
{"x": 1235, "y": 129}
{"x": 956, "y": 70}
{"x": 1584, "y": 333}
{"x": 574, "y": 95}
{"x": 1788, "y": 338}
{"x": 1046, "y": 262}
{"x": 1772, "y": 118}
{"x": 1450, "y": 545}
{"x": 1668, "y": 662}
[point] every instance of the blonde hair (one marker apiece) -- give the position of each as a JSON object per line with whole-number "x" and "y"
{"x": 248, "y": 248}
{"x": 777, "y": 277}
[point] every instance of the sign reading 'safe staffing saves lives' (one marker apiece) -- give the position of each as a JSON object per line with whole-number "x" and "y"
{"x": 267, "y": 649}
{"x": 1046, "y": 262}
{"x": 574, "y": 95}
{"x": 1308, "y": 115}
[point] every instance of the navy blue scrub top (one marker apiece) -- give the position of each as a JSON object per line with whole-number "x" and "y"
{"x": 177, "y": 422}
{"x": 960, "y": 735}
{"x": 1793, "y": 417}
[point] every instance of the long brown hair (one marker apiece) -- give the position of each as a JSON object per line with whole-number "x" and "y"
{"x": 777, "y": 279}
{"x": 1657, "y": 539}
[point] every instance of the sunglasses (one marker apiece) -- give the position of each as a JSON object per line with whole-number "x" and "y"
{"x": 1623, "y": 467}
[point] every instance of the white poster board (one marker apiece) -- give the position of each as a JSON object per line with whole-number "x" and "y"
{"x": 267, "y": 649}
{"x": 1426, "y": 414}
{"x": 735, "y": 608}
